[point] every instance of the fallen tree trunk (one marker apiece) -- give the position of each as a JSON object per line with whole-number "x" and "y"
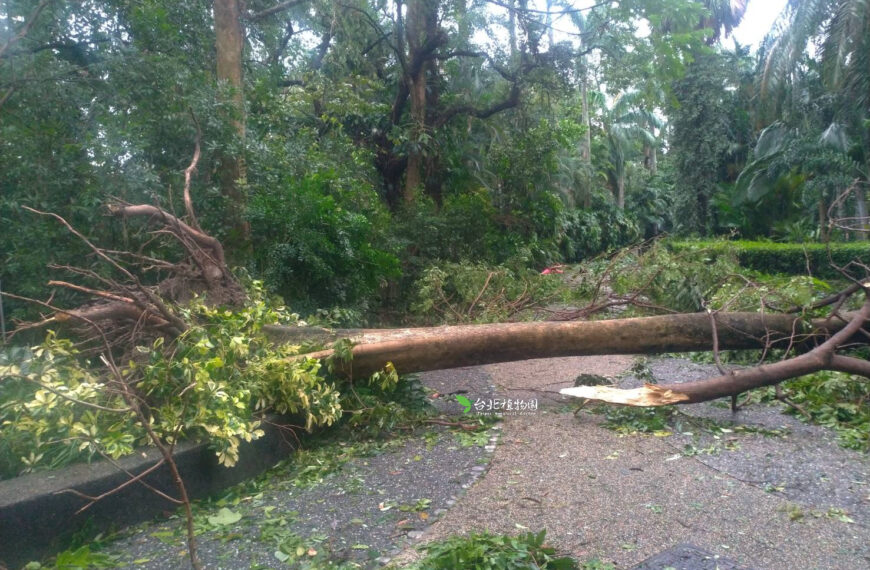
{"x": 434, "y": 348}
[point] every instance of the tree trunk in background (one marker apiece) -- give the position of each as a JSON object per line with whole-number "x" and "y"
{"x": 650, "y": 160}
{"x": 421, "y": 26}
{"x": 512, "y": 28}
{"x": 414, "y": 170}
{"x": 533, "y": 38}
{"x": 229, "y": 44}
{"x": 823, "y": 221}
{"x": 620, "y": 189}
{"x": 586, "y": 147}
{"x": 861, "y": 212}
{"x": 549, "y": 22}
{"x": 841, "y": 213}
{"x": 464, "y": 28}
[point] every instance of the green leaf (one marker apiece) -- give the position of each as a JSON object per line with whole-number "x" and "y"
{"x": 465, "y": 402}
{"x": 225, "y": 517}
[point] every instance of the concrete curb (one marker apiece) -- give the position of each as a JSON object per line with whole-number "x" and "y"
{"x": 37, "y": 519}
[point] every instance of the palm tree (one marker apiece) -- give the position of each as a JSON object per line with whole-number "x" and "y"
{"x": 724, "y": 15}
{"x": 840, "y": 30}
{"x": 627, "y": 122}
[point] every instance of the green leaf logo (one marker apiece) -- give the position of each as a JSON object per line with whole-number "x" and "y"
{"x": 464, "y": 402}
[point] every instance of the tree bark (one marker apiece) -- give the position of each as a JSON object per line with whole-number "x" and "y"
{"x": 435, "y": 348}
{"x": 650, "y": 159}
{"x": 422, "y": 34}
{"x": 620, "y": 189}
{"x": 229, "y": 44}
{"x": 512, "y": 28}
{"x": 586, "y": 147}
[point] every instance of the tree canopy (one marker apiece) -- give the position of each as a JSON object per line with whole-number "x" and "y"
{"x": 346, "y": 145}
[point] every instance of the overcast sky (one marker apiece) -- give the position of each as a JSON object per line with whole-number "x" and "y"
{"x": 758, "y": 20}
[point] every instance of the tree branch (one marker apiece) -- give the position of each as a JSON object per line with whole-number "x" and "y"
{"x": 188, "y": 172}
{"x": 823, "y": 357}
{"x": 509, "y": 102}
{"x": 24, "y": 29}
{"x": 89, "y": 291}
{"x": 152, "y": 298}
{"x": 281, "y": 6}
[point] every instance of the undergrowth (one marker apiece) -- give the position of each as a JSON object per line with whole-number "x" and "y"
{"x": 835, "y": 400}
{"x": 486, "y": 551}
{"x": 475, "y": 293}
{"x": 695, "y": 279}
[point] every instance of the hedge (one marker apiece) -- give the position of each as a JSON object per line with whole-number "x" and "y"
{"x": 786, "y": 258}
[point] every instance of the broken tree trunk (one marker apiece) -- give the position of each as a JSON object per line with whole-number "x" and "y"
{"x": 415, "y": 350}
{"x": 734, "y": 382}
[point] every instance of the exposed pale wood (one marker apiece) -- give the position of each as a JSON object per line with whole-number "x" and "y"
{"x": 648, "y": 395}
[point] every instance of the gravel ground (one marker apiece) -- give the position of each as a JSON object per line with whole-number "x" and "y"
{"x": 360, "y": 512}
{"x": 769, "y": 492}
{"x": 804, "y": 464}
{"x": 765, "y": 502}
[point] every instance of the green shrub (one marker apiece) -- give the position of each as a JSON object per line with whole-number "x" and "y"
{"x": 464, "y": 228}
{"x": 316, "y": 249}
{"x": 209, "y": 384}
{"x": 587, "y": 233}
{"x": 681, "y": 281}
{"x": 787, "y": 258}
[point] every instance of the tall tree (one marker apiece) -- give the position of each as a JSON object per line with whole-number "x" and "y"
{"x": 701, "y": 132}
{"x": 229, "y": 47}
{"x": 627, "y": 124}
{"x": 700, "y": 141}
{"x": 423, "y": 37}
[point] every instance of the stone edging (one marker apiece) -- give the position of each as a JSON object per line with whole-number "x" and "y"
{"x": 37, "y": 519}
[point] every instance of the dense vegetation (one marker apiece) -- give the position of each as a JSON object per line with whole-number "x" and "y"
{"x": 355, "y": 144}
{"x": 416, "y": 160}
